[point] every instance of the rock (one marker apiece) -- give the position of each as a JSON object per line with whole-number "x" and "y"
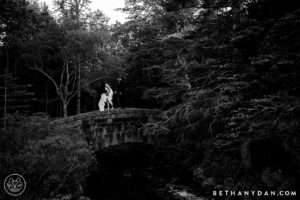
{"x": 209, "y": 182}
{"x": 228, "y": 182}
{"x": 271, "y": 177}
{"x": 198, "y": 174}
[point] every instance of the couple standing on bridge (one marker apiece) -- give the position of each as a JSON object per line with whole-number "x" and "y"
{"x": 107, "y": 95}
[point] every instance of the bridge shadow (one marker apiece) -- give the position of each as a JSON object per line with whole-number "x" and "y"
{"x": 135, "y": 171}
{"x": 122, "y": 173}
{"x": 119, "y": 158}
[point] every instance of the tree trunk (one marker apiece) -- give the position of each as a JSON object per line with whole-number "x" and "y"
{"x": 5, "y": 88}
{"x": 65, "y": 108}
{"x": 79, "y": 91}
{"x": 46, "y": 98}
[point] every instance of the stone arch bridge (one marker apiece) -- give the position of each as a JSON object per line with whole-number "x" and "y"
{"x": 111, "y": 127}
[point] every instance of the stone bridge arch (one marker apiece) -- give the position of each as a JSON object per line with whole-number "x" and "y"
{"x": 111, "y": 127}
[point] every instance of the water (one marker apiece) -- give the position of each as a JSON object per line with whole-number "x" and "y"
{"x": 137, "y": 172}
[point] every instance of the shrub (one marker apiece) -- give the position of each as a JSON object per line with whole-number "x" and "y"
{"x": 52, "y": 160}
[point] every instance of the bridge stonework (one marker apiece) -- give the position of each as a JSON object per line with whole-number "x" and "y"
{"x": 111, "y": 127}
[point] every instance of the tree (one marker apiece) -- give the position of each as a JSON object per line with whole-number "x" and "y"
{"x": 149, "y": 51}
{"x": 82, "y": 53}
{"x": 17, "y": 23}
{"x": 15, "y": 96}
{"x": 59, "y": 48}
{"x": 240, "y": 57}
{"x": 72, "y": 12}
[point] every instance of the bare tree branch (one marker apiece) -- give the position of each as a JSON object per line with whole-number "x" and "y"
{"x": 40, "y": 69}
{"x": 72, "y": 96}
{"x": 97, "y": 79}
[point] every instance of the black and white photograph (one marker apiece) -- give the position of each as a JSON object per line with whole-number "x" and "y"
{"x": 149, "y": 99}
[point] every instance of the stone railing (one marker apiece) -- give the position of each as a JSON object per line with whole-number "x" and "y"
{"x": 110, "y": 127}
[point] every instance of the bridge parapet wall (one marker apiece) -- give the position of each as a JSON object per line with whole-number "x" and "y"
{"x": 113, "y": 127}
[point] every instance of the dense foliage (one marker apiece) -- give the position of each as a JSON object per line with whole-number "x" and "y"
{"x": 52, "y": 160}
{"x": 226, "y": 72}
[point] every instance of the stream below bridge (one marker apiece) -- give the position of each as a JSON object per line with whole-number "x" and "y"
{"x": 138, "y": 171}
